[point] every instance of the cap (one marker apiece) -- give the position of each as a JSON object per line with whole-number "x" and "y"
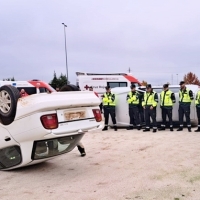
{"x": 148, "y": 86}
{"x": 182, "y": 82}
{"x": 107, "y": 87}
{"x": 133, "y": 86}
{"x": 165, "y": 85}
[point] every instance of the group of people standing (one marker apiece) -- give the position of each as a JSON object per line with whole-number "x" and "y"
{"x": 142, "y": 107}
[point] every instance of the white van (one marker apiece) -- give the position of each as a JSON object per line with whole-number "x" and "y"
{"x": 122, "y": 115}
{"x": 100, "y": 81}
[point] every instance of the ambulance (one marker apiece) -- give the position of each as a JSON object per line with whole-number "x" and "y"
{"x": 100, "y": 81}
{"x": 31, "y": 87}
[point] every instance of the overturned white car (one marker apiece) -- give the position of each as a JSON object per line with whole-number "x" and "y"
{"x": 38, "y": 127}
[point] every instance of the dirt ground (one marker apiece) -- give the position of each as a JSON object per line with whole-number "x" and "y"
{"x": 123, "y": 165}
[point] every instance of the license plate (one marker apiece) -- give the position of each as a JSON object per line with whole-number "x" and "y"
{"x": 70, "y": 116}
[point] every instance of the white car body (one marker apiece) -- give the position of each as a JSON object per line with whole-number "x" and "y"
{"x": 122, "y": 115}
{"x": 27, "y": 129}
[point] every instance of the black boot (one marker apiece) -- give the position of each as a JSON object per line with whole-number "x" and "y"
{"x": 171, "y": 129}
{"x": 82, "y": 151}
{"x": 154, "y": 130}
{"x": 105, "y": 128}
{"x": 138, "y": 128}
{"x": 115, "y": 128}
{"x": 189, "y": 129}
{"x": 146, "y": 130}
{"x": 162, "y": 128}
{"x": 180, "y": 129}
{"x": 198, "y": 130}
{"x": 130, "y": 128}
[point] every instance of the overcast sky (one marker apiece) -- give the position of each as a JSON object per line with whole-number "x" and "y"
{"x": 157, "y": 39}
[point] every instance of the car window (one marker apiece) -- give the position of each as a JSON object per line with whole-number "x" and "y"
{"x": 44, "y": 90}
{"x": 117, "y": 84}
{"x": 136, "y": 84}
{"x": 28, "y": 90}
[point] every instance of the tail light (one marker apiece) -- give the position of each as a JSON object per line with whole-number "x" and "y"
{"x": 97, "y": 115}
{"x": 49, "y": 121}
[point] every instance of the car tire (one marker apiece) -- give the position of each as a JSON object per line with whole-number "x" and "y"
{"x": 9, "y": 96}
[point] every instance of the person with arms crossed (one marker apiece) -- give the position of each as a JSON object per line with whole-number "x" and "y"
{"x": 167, "y": 99}
{"x": 133, "y": 102}
{"x": 149, "y": 104}
{"x": 109, "y": 108}
{"x": 185, "y": 99}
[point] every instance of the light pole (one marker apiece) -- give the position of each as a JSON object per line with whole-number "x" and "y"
{"x": 65, "y": 50}
{"x": 177, "y": 79}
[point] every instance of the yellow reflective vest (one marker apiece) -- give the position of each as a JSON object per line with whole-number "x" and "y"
{"x": 197, "y": 100}
{"x": 184, "y": 96}
{"x": 109, "y": 99}
{"x": 150, "y": 99}
{"x": 133, "y": 98}
{"x": 166, "y": 98}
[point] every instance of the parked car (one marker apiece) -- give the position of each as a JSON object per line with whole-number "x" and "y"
{"x": 122, "y": 115}
{"x": 39, "y": 127}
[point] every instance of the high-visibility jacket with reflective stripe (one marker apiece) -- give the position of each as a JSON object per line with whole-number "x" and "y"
{"x": 184, "y": 96}
{"x": 108, "y": 99}
{"x": 133, "y": 98}
{"x": 150, "y": 99}
{"x": 197, "y": 100}
{"x": 166, "y": 98}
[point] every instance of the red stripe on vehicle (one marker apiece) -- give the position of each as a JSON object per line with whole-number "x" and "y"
{"x": 132, "y": 79}
{"x": 40, "y": 84}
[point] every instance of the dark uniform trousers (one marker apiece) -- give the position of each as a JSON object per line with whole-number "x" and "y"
{"x": 150, "y": 113}
{"x": 167, "y": 112}
{"x": 184, "y": 110}
{"x": 101, "y": 107}
{"x": 141, "y": 114}
{"x": 198, "y": 115}
{"x": 134, "y": 115}
{"x": 109, "y": 110}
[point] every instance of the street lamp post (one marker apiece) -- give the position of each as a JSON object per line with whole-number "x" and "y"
{"x": 65, "y": 50}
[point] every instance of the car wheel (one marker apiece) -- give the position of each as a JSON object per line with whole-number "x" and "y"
{"x": 9, "y": 96}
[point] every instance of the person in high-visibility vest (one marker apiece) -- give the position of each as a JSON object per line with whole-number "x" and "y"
{"x": 167, "y": 99}
{"x": 185, "y": 98}
{"x": 149, "y": 104}
{"x": 197, "y": 103}
{"x": 133, "y": 102}
{"x": 109, "y": 108}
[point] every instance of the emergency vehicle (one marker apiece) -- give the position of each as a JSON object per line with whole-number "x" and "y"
{"x": 31, "y": 87}
{"x": 100, "y": 81}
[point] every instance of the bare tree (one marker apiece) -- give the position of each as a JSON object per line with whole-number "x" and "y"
{"x": 191, "y": 78}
